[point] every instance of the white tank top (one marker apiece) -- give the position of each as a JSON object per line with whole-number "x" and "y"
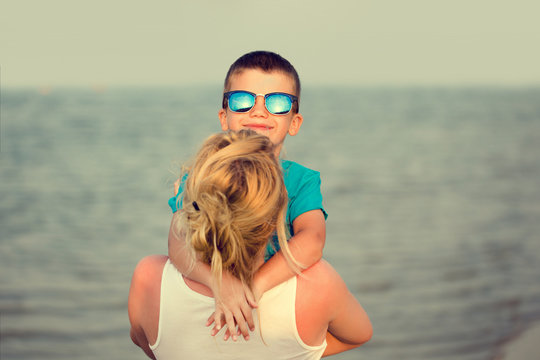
{"x": 182, "y": 332}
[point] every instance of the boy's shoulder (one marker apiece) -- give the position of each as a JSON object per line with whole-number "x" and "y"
{"x": 293, "y": 168}
{"x": 297, "y": 177}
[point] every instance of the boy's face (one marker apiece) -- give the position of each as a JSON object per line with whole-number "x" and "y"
{"x": 276, "y": 127}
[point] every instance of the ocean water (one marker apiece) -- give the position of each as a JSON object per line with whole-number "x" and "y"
{"x": 432, "y": 193}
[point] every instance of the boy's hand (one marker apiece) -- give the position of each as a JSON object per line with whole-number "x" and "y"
{"x": 234, "y": 304}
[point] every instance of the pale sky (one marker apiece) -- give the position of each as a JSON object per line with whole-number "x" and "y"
{"x": 335, "y": 42}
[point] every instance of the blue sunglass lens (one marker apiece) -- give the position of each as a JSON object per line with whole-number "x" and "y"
{"x": 278, "y": 104}
{"x": 241, "y": 101}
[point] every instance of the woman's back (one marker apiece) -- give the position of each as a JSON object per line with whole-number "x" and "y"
{"x": 294, "y": 316}
{"x": 182, "y": 335}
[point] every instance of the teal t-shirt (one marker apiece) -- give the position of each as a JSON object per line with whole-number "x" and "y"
{"x": 304, "y": 193}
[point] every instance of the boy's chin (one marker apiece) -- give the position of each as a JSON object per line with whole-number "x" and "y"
{"x": 263, "y": 130}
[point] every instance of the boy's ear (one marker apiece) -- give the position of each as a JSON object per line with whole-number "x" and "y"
{"x": 296, "y": 123}
{"x": 222, "y": 114}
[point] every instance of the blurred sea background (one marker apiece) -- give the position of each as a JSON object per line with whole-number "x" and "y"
{"x": 432, "y": 192}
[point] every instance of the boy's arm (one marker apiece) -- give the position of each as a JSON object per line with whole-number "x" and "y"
{"x": 306, "y": 247}
{"x": 234, "y": 301}
{"x": 178, "y": 253}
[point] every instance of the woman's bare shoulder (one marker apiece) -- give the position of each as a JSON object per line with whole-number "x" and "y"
{"x": 319, "y": 288}
{"x": 149, "y": 268}
{"x": 322, "y": 275}
{"x": 318, "y": 294}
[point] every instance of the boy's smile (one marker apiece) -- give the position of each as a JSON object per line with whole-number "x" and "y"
{"x": 258, "y": 127}
{"x": 276, "y": 127}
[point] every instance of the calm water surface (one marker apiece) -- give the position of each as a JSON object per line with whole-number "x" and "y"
{"x": 432, "y": 193}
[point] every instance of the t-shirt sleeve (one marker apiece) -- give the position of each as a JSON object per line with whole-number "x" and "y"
{"x": 307, "y": 196}
{"x": 175, "y": 202}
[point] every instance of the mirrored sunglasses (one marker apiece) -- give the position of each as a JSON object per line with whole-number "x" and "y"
{"x": 243, "y": 101}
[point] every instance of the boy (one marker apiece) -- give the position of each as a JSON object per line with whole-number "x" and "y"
{"x": 261, "y": 93}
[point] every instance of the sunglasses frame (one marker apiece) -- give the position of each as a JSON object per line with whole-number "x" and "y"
{"x": 228, "y": 94}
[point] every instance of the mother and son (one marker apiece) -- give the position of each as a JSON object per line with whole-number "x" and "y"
{"x": 230, "y": 265}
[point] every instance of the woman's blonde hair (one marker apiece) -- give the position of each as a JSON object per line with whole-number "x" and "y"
{"x": 234, "y": 199}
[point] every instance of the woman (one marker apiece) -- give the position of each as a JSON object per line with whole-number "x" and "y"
{"x": 234, "y": 199}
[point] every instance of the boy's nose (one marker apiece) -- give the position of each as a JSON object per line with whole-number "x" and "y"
{"x": 259, "y": 108}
